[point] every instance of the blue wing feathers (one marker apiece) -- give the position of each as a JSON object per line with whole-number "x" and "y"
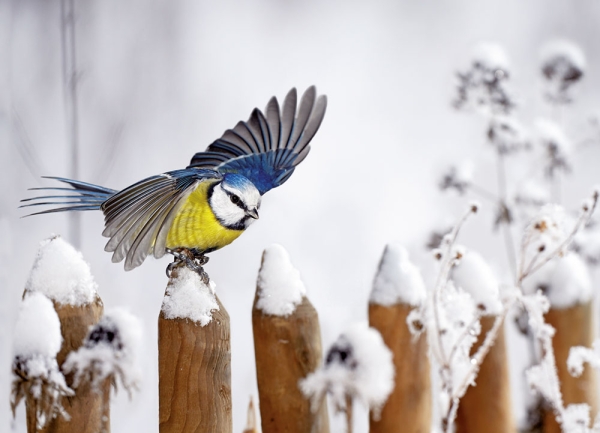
{"x": 266, "y": 148}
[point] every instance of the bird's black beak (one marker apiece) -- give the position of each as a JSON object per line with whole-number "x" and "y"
{"x": 253, "y": 213}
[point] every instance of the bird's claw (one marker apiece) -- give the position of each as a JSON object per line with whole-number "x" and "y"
{"x": 193, "y": 259}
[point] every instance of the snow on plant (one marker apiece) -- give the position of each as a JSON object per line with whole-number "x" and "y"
{"x": 110, "y": 353}
{"x": 37, "y": 340}
{"x": 483, "y": 84}
{"x": 358, "y": 365}
{"x": 451, "y": 317}
{"x": 562, "y": 64}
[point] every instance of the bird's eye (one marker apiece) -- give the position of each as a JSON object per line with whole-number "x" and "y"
{"x": 235, "y": 199}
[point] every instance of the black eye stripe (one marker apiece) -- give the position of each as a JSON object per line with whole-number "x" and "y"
{"x": 238, "y": 201}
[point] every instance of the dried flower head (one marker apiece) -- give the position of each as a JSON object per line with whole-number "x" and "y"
{"x": 562, "y": 64}
{"x": 482, "y": 86}
{"x": 507, "y": 135}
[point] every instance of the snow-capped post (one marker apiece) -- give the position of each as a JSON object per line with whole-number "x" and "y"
{"x": 287, "y": 347}
{"x": 567, "y": 284}
{"x": 398, "y": 289}
{"x": 109, "y": 355}
{"x": 36, "y": 376}
{"x": 194, "y": 358}
{"x": 486, "y": 406}
{"x": 358, "y": 366}
{"x": 61, "y": 274}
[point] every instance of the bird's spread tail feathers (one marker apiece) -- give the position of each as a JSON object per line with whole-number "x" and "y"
{"x": 80, "y": 196}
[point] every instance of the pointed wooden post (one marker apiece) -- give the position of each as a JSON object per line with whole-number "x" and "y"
{"x": 486, "y": 405}
{"x": 60, "y": 273}
{"x": 287, "y": 347}
{"x": 397, "y": 290}
{"x": 574, "y": 327}
{"x": 194, "y": 358}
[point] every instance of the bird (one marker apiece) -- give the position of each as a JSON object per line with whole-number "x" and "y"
{"x": 196, "y": 210}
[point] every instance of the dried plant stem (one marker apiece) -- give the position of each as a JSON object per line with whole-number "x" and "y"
{"x": 502, "y": 192}
{"x": 70, "y": 78}
{"x": 348, "y": 411}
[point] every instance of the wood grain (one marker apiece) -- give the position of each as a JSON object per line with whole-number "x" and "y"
{"x": 486, "y": 406}
{"x": 408, "y": 408}
{"x": 574, "y": 327}
{"x": 287, "y": 349}
{"x": 87, "y": 410}
{"x": 195, "y": 375}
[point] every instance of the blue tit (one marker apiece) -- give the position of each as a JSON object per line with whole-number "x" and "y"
{"x": 210, "y": 203}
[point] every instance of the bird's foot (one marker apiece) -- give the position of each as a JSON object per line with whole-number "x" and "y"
{"x": 193, "y": 259}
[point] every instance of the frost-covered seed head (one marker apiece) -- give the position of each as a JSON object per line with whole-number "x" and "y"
{"x": 562, "y": 64}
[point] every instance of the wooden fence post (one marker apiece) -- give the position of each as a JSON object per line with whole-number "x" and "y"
{"x": 194, "y": 358}
{"x": 397, "y": 290}
{"x": 287, "y": 347}
{"x": 486, "y": 406}
{"x": 60, "y": 273}
{"x": 574, "y": 327}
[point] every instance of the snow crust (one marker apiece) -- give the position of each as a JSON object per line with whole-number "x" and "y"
{"x": 476, "y": 278}
{"x": 565, "y": 50}
{"x": 111, "y": 348}
{"x": 490, "y": 55}
{"x": 579, "y": 355}
{"x": 37, "y": 330}
{"x": 60, "y": 272}
{"x": 280, "y": 289}
{"x": 187, "y": 297}
{"x": 358, "y": 364}
{"x": 398, "y": 280}
{"x": 565, "y": 281}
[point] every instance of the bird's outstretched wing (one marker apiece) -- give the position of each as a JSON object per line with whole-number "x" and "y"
{"x": 138, "y": 219}
{"x": 267, "y": 148}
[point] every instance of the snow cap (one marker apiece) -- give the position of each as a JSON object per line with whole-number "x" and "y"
{"x": 490, "y": 55}
{"x": 358, "y": 364}
{"x": 188, "y": 297}
{"x": 60, "y": 272}
{"x": 398, "y": 280}
{"x": 111, "y": 347}
{"x": 279, "y": 287}
{"x": 565, "y": 281}
{"x": 37, "y": 331}
{"x": 475, "y": 277}
{"x": 561, "y": 51}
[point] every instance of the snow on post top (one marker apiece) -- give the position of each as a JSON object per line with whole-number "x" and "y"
{"x": 280, "y": 289}
{"x": 398, "y": 280}
{"x": 60, "y": 272}
{"x": 565, "y": 281}
{"x": 358, "y": 364}
{"x": 475, "y": 277}
{"x": 187, "y": 297}
{"x": 37, "y": 331}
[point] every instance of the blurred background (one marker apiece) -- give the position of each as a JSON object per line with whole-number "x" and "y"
{"x": 158, "y": 81}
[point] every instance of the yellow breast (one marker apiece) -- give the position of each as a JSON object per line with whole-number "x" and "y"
{"x": 196, "y": 226}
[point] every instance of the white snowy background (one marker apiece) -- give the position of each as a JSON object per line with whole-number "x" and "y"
{"x": 171, "y": 76}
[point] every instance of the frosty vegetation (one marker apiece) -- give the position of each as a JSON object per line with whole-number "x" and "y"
{"x": 280, "y": 289}
{"x": 549, "y": 267}
{"x": 110, "y": 352}
{"x": 188, "y": 297}
{"x": 36, "y": 375}
{"x": 358, "y": 365}
{"x": 60, "y": 272}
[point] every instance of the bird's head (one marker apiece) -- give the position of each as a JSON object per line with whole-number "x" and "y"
{"x": 235, "y": 201}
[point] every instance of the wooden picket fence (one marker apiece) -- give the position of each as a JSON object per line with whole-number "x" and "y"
{"x": 195, "y": 374}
